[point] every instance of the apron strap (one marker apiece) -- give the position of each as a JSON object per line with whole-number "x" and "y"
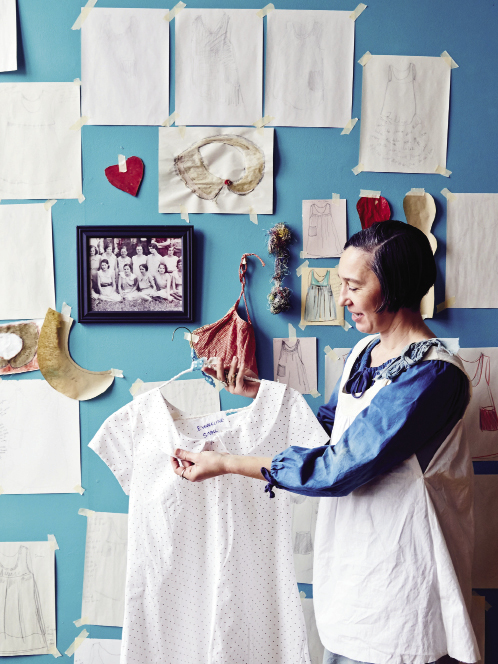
{"x": 242, "y": 278}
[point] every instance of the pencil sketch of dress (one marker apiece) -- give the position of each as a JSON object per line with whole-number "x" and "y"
{"x": 291, "y": 369}
{"x": 320, "y": 304}
{"x": 22, "y": 629}
{"x": 99, "y": 655}
{"x": 322, "y": 233}
{"x": 400, "y": 136}
{"x": 112, "y": 573}
{"x": 214, "y": 69}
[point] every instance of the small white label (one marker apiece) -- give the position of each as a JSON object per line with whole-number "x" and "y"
{"x": 207, "y": 427}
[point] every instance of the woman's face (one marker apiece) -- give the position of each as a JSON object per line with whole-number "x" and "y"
{"x": 140, "y": 250}
{"x": 127, "y": 270}
{"x": 152, "y": 250}
{"x": 124, "y": 252}
{"x": 142, "y": 270}
{"x": 161, "y": 268}
{"x": 171, "y": 251}
{"x": 108, "y": 249}
{"x": 93, "y": 251}
{"x": 104, "y": 267}
{"x": 361, "y": 292}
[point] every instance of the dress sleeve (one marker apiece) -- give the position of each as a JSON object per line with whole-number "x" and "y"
{"x": 113, "y": 442}
{"x": 414, "y": 413}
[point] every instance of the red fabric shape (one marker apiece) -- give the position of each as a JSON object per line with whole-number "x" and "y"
{"x": 371, "y": 210}
{"x": 130, "y": 180}
{"x": 231, "y": 335}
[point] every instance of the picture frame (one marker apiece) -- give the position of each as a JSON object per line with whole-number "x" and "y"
{"x": 135, "y": 274}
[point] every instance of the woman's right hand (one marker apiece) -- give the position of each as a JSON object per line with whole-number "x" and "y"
{"x": 235, "y": 383}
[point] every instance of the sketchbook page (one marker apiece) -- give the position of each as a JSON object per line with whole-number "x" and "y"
{"x": 194, "y": 397}
{"x": 125, "y": 67}
{"x": 105, "y": 569}
{"x": 309, "y": 68}
{"x": 304, "y": 513}
{"x": 28, "y": 284}
{"x": 333, "y": 370}
{"x": 404, "y": 114}
{"x": 324, "y": 228}
{"x": 294, "y": 363}
{"x": 314, "y": 644}
{"x": 216, "y": 169}
{"x": 28, "y": 599}
{"x": 40, "y": 155}
{"x": 39, "y": 439}
{"x": 26, "y": 359}
{"x": 218, "y": 67}
{"x": 485, "y": 568}
{"x": 8, "y": 35}
{"x": 469, "y": 260}
{"x": 98, "y": 651}
{"x": 320, "y": 291}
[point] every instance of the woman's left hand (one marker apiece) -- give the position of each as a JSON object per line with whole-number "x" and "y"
{"x": 197, "y": 467}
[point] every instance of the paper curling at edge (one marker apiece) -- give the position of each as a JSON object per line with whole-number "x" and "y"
{"x": 58, "y": 367}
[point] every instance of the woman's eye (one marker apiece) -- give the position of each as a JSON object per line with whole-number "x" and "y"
{"x": 353, "y": 289}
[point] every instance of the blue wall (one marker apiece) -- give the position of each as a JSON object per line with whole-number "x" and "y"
{"x": 309, "y": 163}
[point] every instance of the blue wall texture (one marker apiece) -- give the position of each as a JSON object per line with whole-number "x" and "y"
{"x": 309, "y": 163}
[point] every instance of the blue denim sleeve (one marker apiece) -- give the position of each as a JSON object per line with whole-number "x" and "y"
{"x": 326, "y": 413}
{"x": 413, "y": 414}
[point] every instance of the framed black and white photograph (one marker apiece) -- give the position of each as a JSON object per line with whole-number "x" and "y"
{"x": 135, "y": 274}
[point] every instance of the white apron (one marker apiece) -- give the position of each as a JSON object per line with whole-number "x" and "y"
{"x": 393, "y": 559}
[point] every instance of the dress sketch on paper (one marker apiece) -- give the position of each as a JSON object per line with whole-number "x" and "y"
{"x": 400, "y": 136}
{"x": 99, "y": 655}
{"x": 215, "y": 76}
{"x": 320, "y": 304}
{"x": 291, "y": 369}
{"x": 98, "y": 651}
{"x": 481, "y": 370}
{"x": 22, "y": 628}
{"x": 322, "y": 238}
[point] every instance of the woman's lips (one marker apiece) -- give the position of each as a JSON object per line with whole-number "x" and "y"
{"x": 356, "y": 317}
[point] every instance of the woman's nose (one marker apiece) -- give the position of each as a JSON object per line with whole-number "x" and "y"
{"x": 344, "y": 299}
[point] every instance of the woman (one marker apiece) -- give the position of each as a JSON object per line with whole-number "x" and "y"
{"x": 106, "y": 281}
{"x": 146, "y": 286}
{"x": 137, "y": 260}
{"x": 110, "y": 257}
{"x": 123, "y": 259}
{"x": 128, "y": 284}
{"x": 171, "y": 262}
{"x": 394, "y": 536}
{"x": 162, "y": 283}
{"x": 94, "y": 268}
{"x": 153, "y": 259}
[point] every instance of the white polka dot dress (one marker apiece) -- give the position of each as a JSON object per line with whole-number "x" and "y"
{"x": 210, "y": 576}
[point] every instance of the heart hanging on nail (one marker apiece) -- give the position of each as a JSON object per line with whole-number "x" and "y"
{"x": 371, "y": 210}
{"x": 129, "y": 180}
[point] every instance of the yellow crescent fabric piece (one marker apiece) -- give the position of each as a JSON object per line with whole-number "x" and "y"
{"x": 58, "y": 367}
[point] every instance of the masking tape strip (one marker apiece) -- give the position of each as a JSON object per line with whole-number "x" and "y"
{"x": 449, "y": 60}
{"x": 315, "y": 394}
{"x": 53, "y": 542}
{"x": 83, "y": 14}
{"x": 302, "y": 267}
{"x": 190, "y": 337}
{"x": 84, "y": 512}
{"x": 53, "y": 651}
{"x": 79, "y": 122}
{"x": 368, "y": 193}
{"x": 448, "y": 195}
{"x": 301, "y": 254}
{"x": 172, "y": 118}
{"x": 136, "y": 386}
{"x": 361, "y": 8}
{"x": 77, "y": 81}
{"x": 48, "y": 204}
{"x": 117, "y": 373}
{"x": 176, "y": 10}
{"x": 349, "y": 126}
{"x": 79, "y": 489}
{"x": 357, "y": 169}
{"x": 330, "y": 352}
{"x": 266, "y": 10}
{"x": 416, "y": 192}
{"x": 184, "y": 214}
{"x": 253, "y": 216}
{"x": 81, "y": 198}
{"x": 447, "y": 304}
{"x": 77, "y": 642}
{"x": 364, "y": 58}
{"x": 182, "y": 129}
{"x": 442, "y": 171}
{"x": 345, "y": 325}
{"x": 218, "y": 385}
{"x": 122, "y": 163}
{"x": 336, "y": 198}
{"x": 65, "y": 309}
{"x": 292, "y": 331}
{"x": 302, "y": 326}
{"x": 81, "y": 621}
{"x": 259, "y": 124}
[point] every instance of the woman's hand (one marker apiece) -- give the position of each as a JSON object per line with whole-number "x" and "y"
{"x": 199, "y": 466}
{"x": 235, "y": 383}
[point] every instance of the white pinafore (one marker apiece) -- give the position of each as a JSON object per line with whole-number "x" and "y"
{"x": 393, "y": 559}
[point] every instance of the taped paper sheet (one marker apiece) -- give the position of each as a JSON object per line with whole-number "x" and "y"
{"x": 39, "y": 439}
{"x": 294, "y": 363}
{"x": 309, "y": 68}
{"x": 175, "y": 11}
{"x": 485, "y": 568}
{"x": 26, "y": 359}
{"x": 58, "y": 367}
{"x": 77, "y": 643}
{"x": 218, "y": 66}
{"x": 320, "y": 291}
{"x": 105, "y": 569}
{"x": 28, "y": 284}
{"x": 216, "y": 169}
{"x": 333, "y": 370}
{"x": 304, "y": 513}
{"x": 266, "y": 10}
{"x": 471, "y": 256}
{"x": 324, "y": 228}
{"x": 194, "y": 397}
{"x": 125, "y": 67}
{"x": 315, "y": 646}
{"x": 404, "y": 114}
{"x": 8, "y": 35}
{"x": 98, "y": 651}
{"x": 40, "y": 157}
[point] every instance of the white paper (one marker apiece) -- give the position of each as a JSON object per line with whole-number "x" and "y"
{"x": 125, "y": 67}
{"x": 193, "y": 397}
{"x": 314, "y": 644}
{"x": 39, "y": 438}
{"x": 40, "y": 156}
{"x": 27, "y": 598}
{"x": 27, "y": 285}
{"x": 218, "y": 67}
{"x": 304, "y": 513}
{"x": 471, "y": 256}
{"x": 98, "y": 651}
{"x": 8, "y": 35}
{"x": 324, "y": 228}
{"x": 333, "y": 370}
{"x": 105, "y": 569}
{"x": 309, "y": 68}
{"x": 485, "y": 567}
{"x": 294, "y": 363}
{"x": 242, "y": 158}
{"x": 404, "y": 114}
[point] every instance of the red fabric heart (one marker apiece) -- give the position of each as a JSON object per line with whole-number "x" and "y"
{"x": 130, "y": 180}
{"x": 371, "y": 210}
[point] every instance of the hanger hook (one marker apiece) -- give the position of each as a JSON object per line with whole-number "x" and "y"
{"x": 182, "y": 327}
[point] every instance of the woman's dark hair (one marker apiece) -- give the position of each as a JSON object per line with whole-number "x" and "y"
{"x": 144, "y": 265}
{"x": 401, "y": 259}
{"x": 104, "y": 260}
